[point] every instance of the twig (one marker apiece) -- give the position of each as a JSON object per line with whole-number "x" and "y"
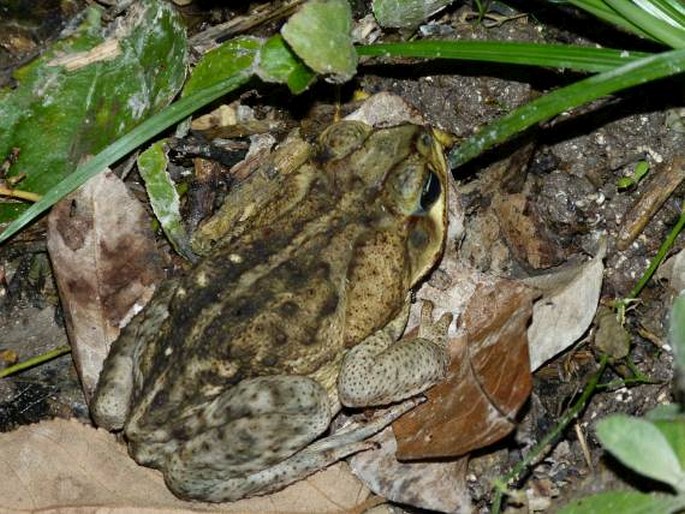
{"x": 546, "y": 442}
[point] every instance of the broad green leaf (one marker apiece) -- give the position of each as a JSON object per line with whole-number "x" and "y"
{"x": 152, "y": 165}
{"x": 625, "y": 502}
{"x": 89, "y": 89}
{"x": 405, "y": 13}
{"x": 674, "y": 432}
{"x": 641, "y": 446}
{"x": 279, "y": 64}
{"x": 234, "y": 58}
{"x": 151, "y": 127}
{"x": 320, "y": 34}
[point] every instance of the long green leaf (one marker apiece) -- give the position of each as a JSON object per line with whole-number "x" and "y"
{"x": 670, "y": 11}
{"x": 655, "y": 26}
{"x": 579, "y": 58}
{"x": 644, "y": 70}
{"x": 601, "y": 10}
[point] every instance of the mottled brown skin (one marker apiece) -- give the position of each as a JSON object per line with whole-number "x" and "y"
{"x": 231, "y": 372}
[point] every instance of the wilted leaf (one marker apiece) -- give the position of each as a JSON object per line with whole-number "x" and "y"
{"x": 152, "y": 165}
{"x": 566, "y": 309}
{"x": 320, "y": 34}
{"x": 66, "y": 466}
{"x": 641, "y": 446}
{"x": 405, "y": 13}
{"x": 105, "y": 264}
{"x": 673, "y": 272}
{"x": 524, "y": 232}
{"x": 488, "y": 380}
{"x": 88, "y": 90}
{"x": 386, "y": 110}
{"x": 233, "y": 120}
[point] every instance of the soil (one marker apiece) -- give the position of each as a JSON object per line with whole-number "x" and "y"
{"x": 567, "y": 169}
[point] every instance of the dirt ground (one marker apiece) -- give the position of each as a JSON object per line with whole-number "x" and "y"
{"x": 566, "y": 170}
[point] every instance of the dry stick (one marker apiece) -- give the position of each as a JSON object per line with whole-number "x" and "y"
{"x": 16, "y": 193}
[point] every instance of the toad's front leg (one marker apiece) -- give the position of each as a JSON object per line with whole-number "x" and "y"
{"x": 382, "y": 370}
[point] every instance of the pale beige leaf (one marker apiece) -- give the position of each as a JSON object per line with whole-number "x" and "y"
{"x": 60, "y": 466}
{"x": 673, "y": 272}
{"x": 105, "y": 263}
{"x": 437, "y": 486}
{"x": 566, "y": 309}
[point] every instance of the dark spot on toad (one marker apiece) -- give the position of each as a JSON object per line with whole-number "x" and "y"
{"x": 289, "y": 309}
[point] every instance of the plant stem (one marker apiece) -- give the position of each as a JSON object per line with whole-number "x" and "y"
{"x": 34, "y": 361}
{"x": 546, "y": 442}
{"x": 658, "y": 258}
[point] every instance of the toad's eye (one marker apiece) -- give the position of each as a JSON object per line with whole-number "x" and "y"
{"x": 431, "y": 191}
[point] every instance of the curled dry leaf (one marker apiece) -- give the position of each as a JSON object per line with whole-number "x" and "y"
{"x": 40, "y": 474}
{"x": 611, "y": 336}
{"x": 488, "y": 380}
{"x": 566, "y": 309}
{"x": 105, "y": 264}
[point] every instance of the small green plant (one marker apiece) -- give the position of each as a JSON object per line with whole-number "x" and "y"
{"x": 653, "y": 446}
{"x": 640, "y": 171}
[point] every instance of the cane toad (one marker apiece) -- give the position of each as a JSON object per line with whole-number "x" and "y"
{"x": 230, "y": 375}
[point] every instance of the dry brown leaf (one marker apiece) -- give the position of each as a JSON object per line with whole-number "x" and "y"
{"x": 524, "y": 231}
{"x": 63, "y": 466}
{"x": 105, "y": 263}
{"x": 566, "y": 308}
{"x": 488, "y": 381}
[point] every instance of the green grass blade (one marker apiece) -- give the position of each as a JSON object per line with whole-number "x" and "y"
{"x": 579, "y": 58}
{"x": 125, "y": 145}
{"x": 637, "y": 72}
{"x": 670, "y": 11}
{"x": 601, "y": 10}
{"x": 655, "y": 26}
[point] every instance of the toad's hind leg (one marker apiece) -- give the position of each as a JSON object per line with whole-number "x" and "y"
{"x": 241, "y": 436}
{"x": 265, "y": 451}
